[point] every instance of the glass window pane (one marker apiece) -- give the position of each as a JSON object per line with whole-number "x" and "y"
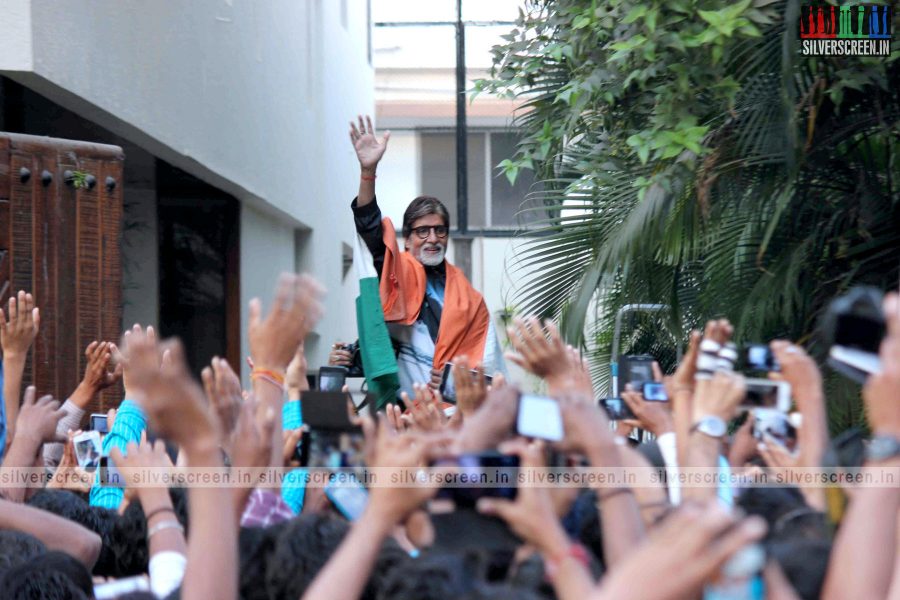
{"x": 439, "y": 173}
{"x": 508, "y": 200}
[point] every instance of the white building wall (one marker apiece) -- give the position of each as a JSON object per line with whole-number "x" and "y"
{"x": 251, "y": 96}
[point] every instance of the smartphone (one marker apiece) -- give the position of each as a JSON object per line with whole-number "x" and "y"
{"x": 448, "y": 385}
{"x": 539, "y": 417}
{"x": 776, "y": 424}
{"x": 332, "y": 378}
{"x": 485, "y": 467}
{"x": 861, "y": 331}
{"x": 88, "y": 450}
{"x": 349, "y": 497}
{"x": 655, "y": 392}
{"x": 98, "y": 423}
{"x": 616, "y": 409}
{"x": 109, "y": 474}
{"x": 853, "y": 363}
{"x": 759, "y": 357}
{"x": 765, "y": 393}
{"x": 636, "y": 369}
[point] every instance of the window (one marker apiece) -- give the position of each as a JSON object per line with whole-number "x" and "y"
{"x": 493, "y": 202}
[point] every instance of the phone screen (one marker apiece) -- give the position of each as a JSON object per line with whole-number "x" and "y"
{"x": 539, "y": 417}
{"x": 88, "y": 450}
{"x": 655, "y": 392}
{"x": 349, "y": 497}
{"x": 489, "y": 467}
{"x": 332, "y": 379}
{"x": 616, "y": 409}
{"x": 98, "y": 423}
{"x": 764, "y": 393}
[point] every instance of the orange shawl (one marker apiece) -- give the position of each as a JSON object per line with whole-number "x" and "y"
{"x": 464, "y": 319}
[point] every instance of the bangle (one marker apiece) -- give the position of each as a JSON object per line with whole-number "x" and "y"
{"x": 158, "y": 511}
{"x": 575, "y": 550}
{"x": 268, "y": 379}
{"x": 367, "y": 177}
{"x": 163, "y": 526}
{"x": 614, "y": 492}
{"x": 274, "y": 375}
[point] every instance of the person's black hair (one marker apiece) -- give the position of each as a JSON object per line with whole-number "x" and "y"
{"x": 69, "y": 566}
{"x": 771, "y": 503}
{"x": 255, "y": 547}
{"x": 128, "y": 538}
{"x": 804, "y": 563}
{"x": 583, "y": 524}
{"x": 501, "y": 591}
{"x": 39, "y": 580}
{"x": 303, "y": 547}
{"x": 17, "y": 547}
{"x": 434, "y": 575}
{"x": 422, "y": 207}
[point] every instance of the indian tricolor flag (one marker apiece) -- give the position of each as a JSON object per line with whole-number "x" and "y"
{"x": 375, "y": 348}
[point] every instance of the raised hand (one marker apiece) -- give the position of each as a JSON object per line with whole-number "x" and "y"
{"x": 295, "y": 378}
{"x": 539, "y": 350}
{"x": 686, "y": 552}
{"x": 253, "y": 438}
{"x": 532, "y": 515}
{"x": 38, "y": 418}
{"x": 223, "y": 390}
{"x": 120, "y": 355}
{"x": 97, "y": 375}
{"x": 68, "y": 475}
{"x": 19, "y": 325}
{"x": 295, "y": 311}
{"x": 655, "y": 417}
{"x": 425, "y": 409}
{"x": 173, "y": 401}
{"x": 141, "y": 456}
{"x": 470, "y": 391}
{"x": 369, "y": 149}
{"x": 719, "y": 396}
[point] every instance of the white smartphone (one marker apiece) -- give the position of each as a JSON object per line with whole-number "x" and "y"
{"x": 88, "y": 450}
{"x": 539, "y": 417}
{"x": 120, "y": 587}
{"x": 766, "y": 393}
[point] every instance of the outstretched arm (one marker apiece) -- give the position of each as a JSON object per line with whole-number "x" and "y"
{"x": 369, "y": 150}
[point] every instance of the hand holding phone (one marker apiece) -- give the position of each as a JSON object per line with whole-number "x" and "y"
{"x": 88, "y": 450}
{"x": 616, "y": 409}
{"x": 539, "y": 417}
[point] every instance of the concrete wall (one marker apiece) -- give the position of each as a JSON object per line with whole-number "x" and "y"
{"x": 252, "y": 97}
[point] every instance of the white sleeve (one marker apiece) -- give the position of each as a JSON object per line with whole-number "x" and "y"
{"x": 166, "y": 572}
{"x": 669, "y": 453}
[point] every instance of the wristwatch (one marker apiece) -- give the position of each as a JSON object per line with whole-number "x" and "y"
{"x": 711, "y": 425}
{"x": 883, "y": 447}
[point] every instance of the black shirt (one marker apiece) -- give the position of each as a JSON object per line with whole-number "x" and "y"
{"x": 368, "y": 226}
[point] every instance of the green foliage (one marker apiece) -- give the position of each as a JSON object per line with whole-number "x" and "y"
{"x": 689, "y": 155}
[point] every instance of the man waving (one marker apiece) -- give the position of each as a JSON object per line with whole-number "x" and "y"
{"x": 432, "y": 311}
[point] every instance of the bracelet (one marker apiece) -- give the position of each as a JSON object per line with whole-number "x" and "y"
{"x": 268, "y": 379}
{"x": 163, "y": 526}
{"x": 575, "y": 550}
{"x": 367, "y": 177}
{"x": 274, "y": 375}
{"x": 615, "y": 492}
{"x": 157, "y": 511}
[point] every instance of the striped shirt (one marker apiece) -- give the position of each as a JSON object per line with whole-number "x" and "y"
{"x": 130, "y": 422}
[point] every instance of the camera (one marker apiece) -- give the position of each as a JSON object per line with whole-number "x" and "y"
{"x": 853, "y": 327}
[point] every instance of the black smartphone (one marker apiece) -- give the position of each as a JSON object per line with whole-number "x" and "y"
{"x": 636, "y": 369}
{"x": 654, "y": 392}
{"x": 759, "y": 357}
{"x": 98, "y": 423}
{"x": 331, "y": 379}
{"x": 473, "y": 471}
{"x": 616, "y": 409}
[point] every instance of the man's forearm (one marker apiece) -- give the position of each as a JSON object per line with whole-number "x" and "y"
{"x": 22, "y": 454}
{"x": 623, "y": 528}
{"x": 366, "y": 186}
{"x": 56, "y": 532}
{"x": 13, "y": 368}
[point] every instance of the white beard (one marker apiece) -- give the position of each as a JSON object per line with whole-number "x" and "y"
{"x": 432, "y": 260}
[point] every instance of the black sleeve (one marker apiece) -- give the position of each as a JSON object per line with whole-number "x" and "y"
{"x": 368, "y": 226}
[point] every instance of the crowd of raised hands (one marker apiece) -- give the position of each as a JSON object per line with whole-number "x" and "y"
{"x": 665, "y": 536}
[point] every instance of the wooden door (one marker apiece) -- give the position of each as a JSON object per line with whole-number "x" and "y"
{"x": 60, "y": 239}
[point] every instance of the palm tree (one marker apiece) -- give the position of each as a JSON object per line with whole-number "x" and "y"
{"x": 788, "y": 198}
